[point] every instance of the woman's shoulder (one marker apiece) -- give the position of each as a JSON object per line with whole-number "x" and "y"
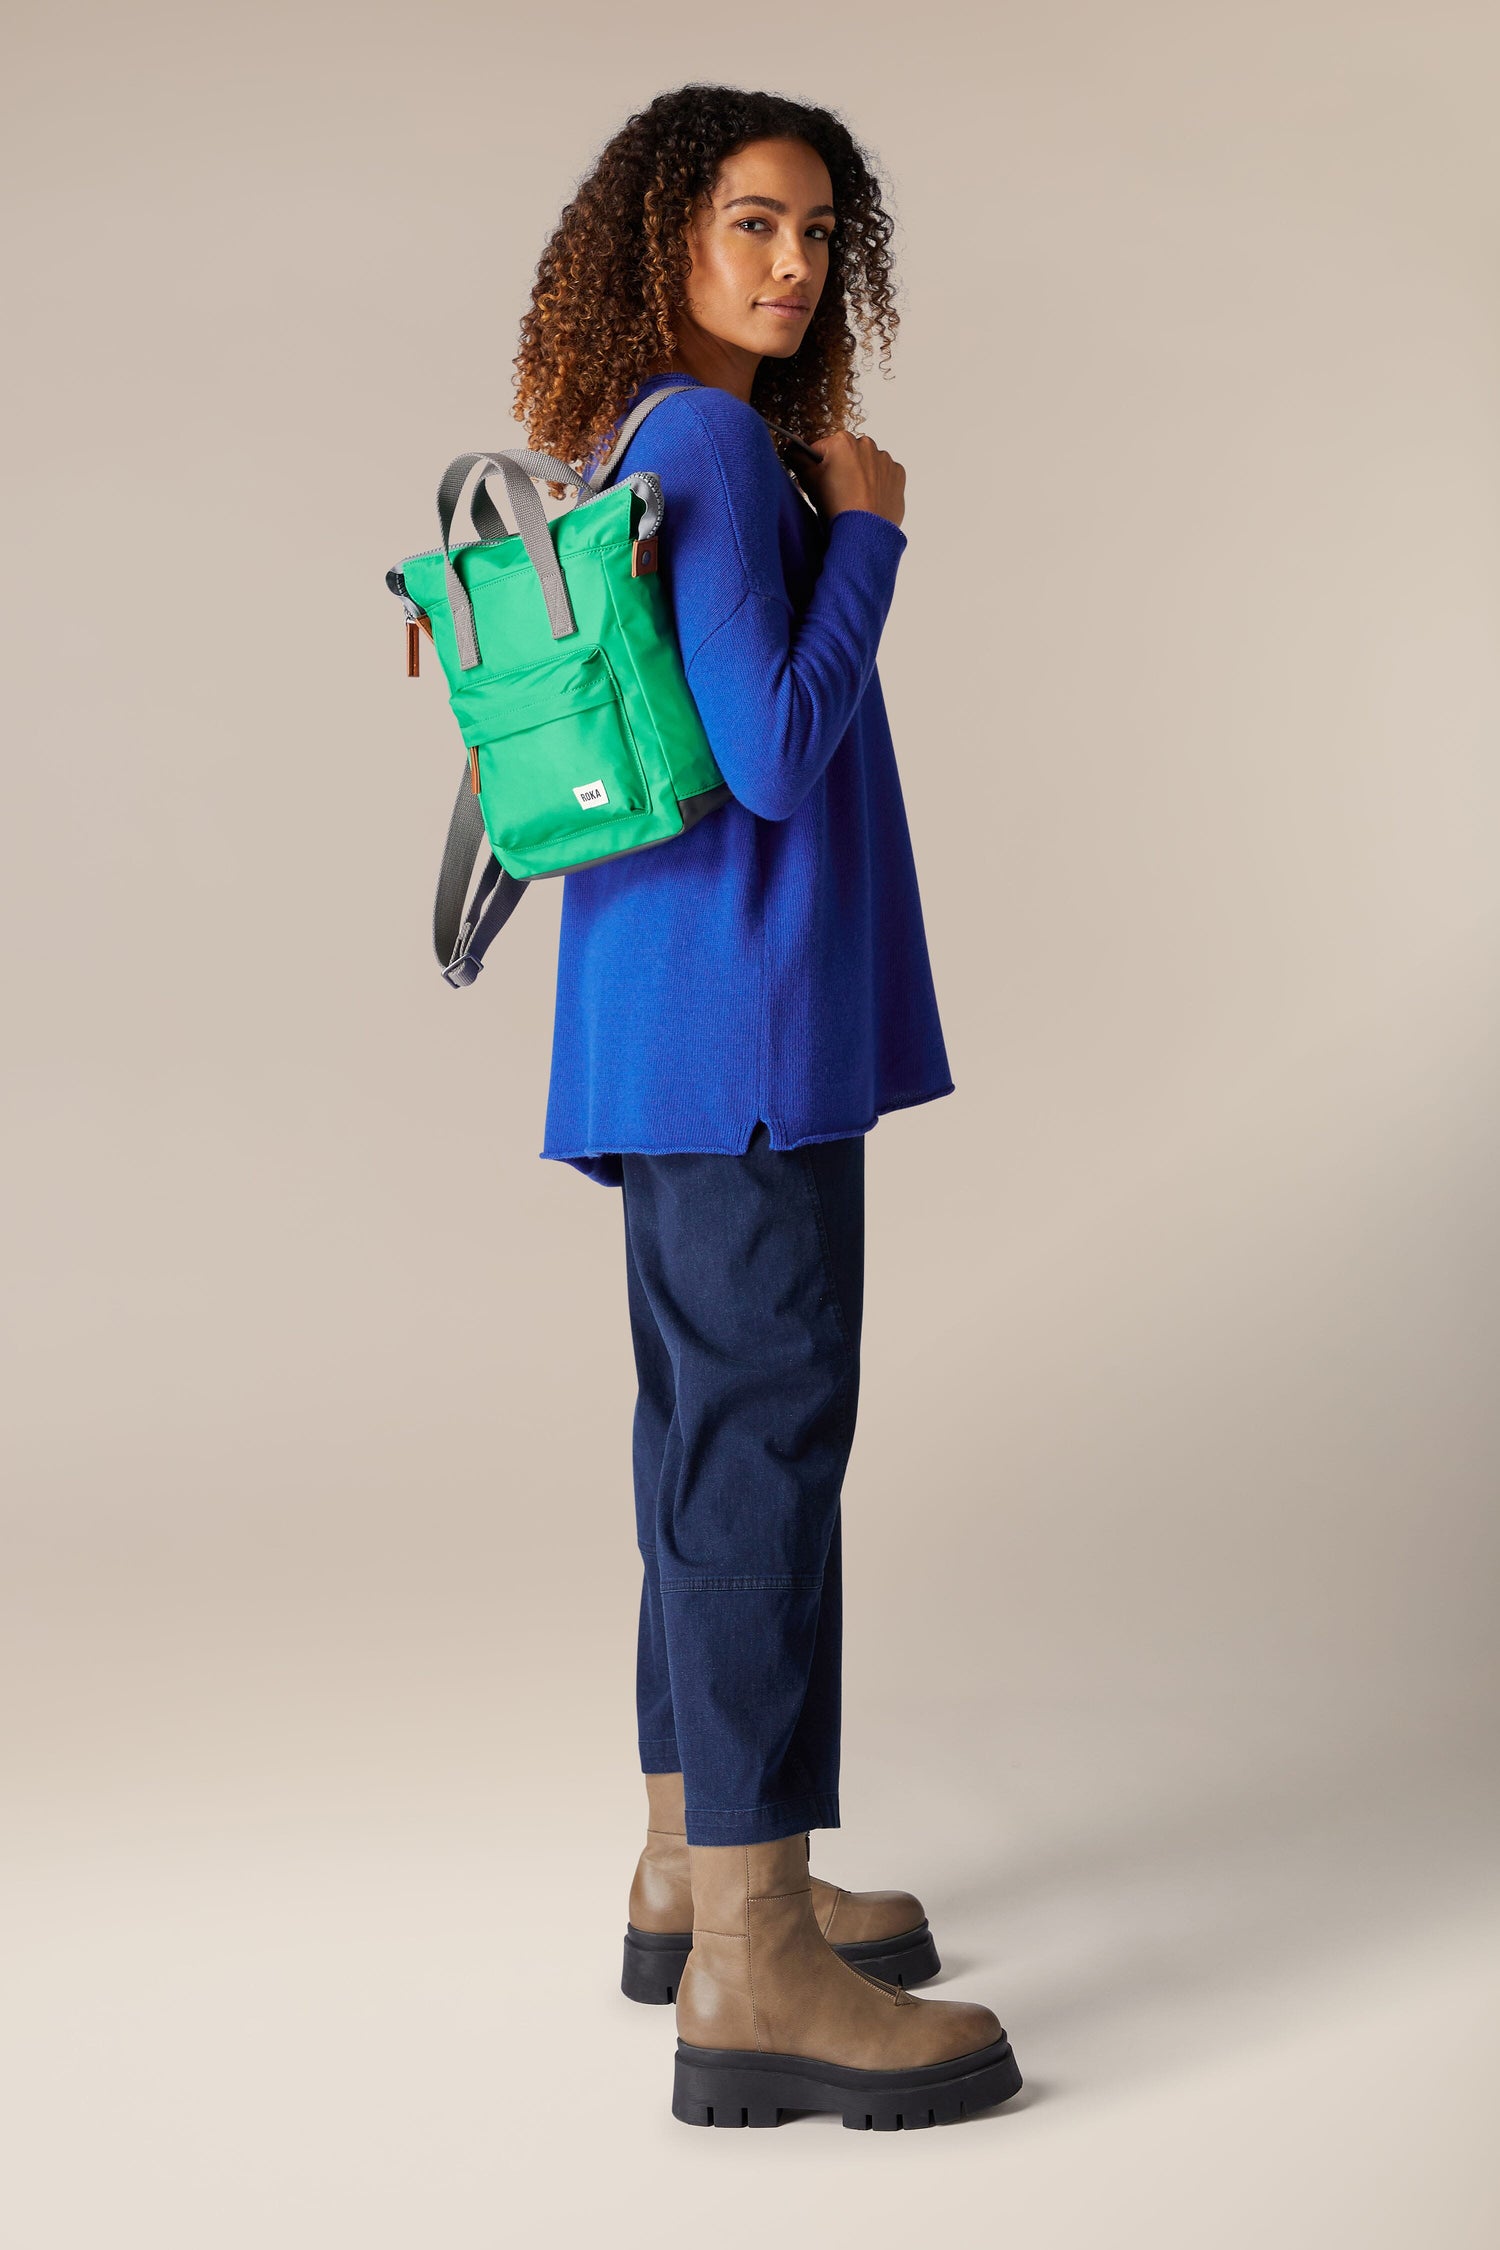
{"x": 700, "y": 417}
{"x": 722, "y": 482}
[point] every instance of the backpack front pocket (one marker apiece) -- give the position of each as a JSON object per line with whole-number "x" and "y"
{"x": 553, "y": 750}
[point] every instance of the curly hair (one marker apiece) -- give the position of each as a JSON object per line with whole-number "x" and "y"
{"x": 615, "y": 272}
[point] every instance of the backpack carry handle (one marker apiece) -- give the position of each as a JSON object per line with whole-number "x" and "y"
{"x": 531, "y": 518}
{"x": 518, "y": 466}
{"x": 484, "y": 515}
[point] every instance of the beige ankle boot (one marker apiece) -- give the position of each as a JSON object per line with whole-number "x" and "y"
{"x": 770, "y": 2019}
{"x": 882, "y": 1933}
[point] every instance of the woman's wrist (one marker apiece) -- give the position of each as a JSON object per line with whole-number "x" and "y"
{"x": 867, "y": 515}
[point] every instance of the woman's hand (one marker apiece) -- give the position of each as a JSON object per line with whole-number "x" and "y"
{"x": 852, "y": 472}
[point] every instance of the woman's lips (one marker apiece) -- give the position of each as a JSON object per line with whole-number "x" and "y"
{"x": 788, "y": 311}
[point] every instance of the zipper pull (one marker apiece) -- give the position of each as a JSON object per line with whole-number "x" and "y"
{"x": 416, "y": 623}
{"x": 642, "y": 557}
{"x": 473, "y": 750}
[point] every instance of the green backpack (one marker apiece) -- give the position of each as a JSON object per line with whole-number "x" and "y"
{"x": 565, "y": 678}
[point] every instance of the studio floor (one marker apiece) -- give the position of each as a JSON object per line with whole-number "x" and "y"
{"x": 365, "y": 1991}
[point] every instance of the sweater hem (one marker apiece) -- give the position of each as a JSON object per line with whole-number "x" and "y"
{"x": 703, "y": 1148}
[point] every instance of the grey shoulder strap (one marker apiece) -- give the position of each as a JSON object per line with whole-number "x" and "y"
{"x": 461, "y": 931}
{"x": 599, "y": 481}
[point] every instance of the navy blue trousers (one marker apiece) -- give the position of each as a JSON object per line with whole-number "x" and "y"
{"x": 746, "y": 1288}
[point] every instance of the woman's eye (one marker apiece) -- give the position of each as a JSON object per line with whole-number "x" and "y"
{"x": 823, "y": 233}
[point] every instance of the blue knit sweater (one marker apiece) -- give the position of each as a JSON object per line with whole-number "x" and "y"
{"x": 771, "y": 962}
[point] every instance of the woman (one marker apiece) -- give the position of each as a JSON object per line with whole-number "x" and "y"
{"x": 734, "y": 1012}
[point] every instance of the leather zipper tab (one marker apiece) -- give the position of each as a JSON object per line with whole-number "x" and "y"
{"x": 474, "y": 767}
{"x": 642, "y": 557}
{"x": 413, "y": 649}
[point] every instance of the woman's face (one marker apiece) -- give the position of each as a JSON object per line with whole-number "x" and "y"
{"x": 760, "y": 252}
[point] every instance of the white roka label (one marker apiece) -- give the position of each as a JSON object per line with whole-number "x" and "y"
{"x": 591, "y": 793}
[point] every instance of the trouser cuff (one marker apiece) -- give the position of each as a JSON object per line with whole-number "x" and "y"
{"x": 762, "y": 1824}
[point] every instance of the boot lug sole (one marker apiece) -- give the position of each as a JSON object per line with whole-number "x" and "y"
{"x": 906, "y": 1960}
{"x": 654, "y": 1961}
{"x": 737, "y": 2088}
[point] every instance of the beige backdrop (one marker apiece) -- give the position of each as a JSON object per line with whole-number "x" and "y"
{"x": 1171, "y": 1522}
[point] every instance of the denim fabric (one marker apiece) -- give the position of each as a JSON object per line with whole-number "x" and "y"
{"x": 745, "y": 1278}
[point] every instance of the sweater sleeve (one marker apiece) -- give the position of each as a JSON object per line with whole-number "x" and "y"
{"x": 776, "y": 692}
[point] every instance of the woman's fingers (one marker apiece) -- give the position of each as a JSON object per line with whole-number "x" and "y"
{"x": 849, "y": 470}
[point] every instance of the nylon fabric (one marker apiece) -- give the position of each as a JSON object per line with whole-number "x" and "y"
{"x": 583, "y": 736}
